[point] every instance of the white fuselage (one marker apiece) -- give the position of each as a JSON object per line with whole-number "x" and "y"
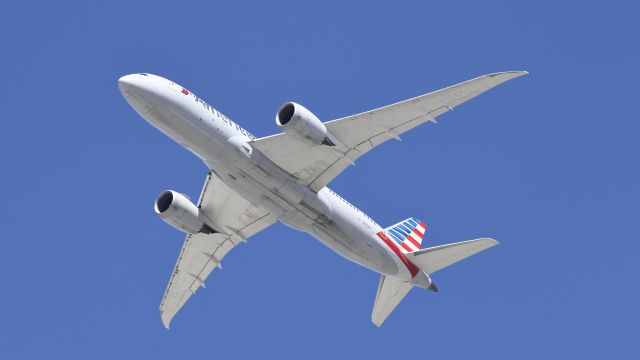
{"x": 226, "y": 148}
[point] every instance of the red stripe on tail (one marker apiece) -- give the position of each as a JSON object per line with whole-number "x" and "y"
{"x": 413, "y": 241}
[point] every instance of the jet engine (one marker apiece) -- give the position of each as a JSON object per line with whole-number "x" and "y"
{"x": 178, "y": 211}
{"x": 298, "y": 122}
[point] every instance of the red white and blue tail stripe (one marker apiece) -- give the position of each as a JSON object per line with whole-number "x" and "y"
{"x": 408, "y": 234}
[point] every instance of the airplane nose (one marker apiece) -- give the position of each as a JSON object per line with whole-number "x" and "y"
{"x": 138, "y": 91}
{"x": 126, "y": 82}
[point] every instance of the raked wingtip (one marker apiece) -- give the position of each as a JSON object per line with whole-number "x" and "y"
{"x": 509, "y": 74}
{"x": 166, "y": 322}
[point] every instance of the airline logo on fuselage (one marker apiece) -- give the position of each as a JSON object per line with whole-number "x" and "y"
{"x": 218, "y": 114}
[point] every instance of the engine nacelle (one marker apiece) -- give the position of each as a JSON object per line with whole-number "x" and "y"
{"x": 178, "y": 211}
{"x": 298, "y": 122}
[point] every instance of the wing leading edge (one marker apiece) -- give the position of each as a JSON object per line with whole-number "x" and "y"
{"x": 235, "y": 218}
{"x": 316, "y": 166}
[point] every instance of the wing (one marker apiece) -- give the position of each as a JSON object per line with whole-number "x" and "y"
{"x": 355, "y": 135}
{"x": 235, "y": 218}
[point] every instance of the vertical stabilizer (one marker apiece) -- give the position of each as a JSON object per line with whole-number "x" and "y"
{"x": 390, "y": 292}
{"x": 408, "y": 234}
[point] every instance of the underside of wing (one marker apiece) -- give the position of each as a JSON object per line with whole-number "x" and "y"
{"x": 234, "y": 220}
{"x": 228, "y": 212}
{"x": 313, "y": 166}
{"x": 200, "y": 254}
{"x": 317, "y": 165}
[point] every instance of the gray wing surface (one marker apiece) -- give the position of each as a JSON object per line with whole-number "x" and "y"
{"x": 236, "y": 220}
{"x": 354, "y": 136}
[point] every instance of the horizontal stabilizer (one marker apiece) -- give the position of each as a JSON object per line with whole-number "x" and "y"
{"x": 435, "y": 258}
{"x": 390, "y": 292}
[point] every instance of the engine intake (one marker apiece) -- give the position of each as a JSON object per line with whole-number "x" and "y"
{"x": 178, "y": 211}
{"x": 298, "y": 122}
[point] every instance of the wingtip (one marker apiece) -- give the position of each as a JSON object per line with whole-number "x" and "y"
{"x": 493, "y": 242}
{"x": 510, "y": 74}
{"x": 165, "y": 321}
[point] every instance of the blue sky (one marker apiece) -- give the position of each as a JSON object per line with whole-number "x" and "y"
{"x": 547, "y": 164}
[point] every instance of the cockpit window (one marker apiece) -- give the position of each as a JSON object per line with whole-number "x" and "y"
{"x": 143, "y": 74}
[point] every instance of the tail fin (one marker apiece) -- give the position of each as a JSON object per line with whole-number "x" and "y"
{"x": 408, "y": 234}
{"x": 435, "y": 258}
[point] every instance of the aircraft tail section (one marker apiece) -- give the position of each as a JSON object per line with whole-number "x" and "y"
{"x": 391, "y": 290}
{"x": 408, "y": 234}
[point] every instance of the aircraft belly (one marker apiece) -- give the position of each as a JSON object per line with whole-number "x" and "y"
{"x": 327, "y": 220}
{"x": 359, "y": 249}
{"x": 259, "y": 181}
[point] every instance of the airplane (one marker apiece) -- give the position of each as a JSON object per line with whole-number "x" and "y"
{"x": 254, "y": 182}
